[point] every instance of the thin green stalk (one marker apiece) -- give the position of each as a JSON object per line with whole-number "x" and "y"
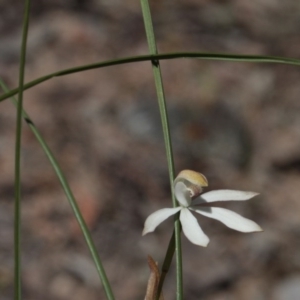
{"x": 70, "y": 196}
{"x": 166, "y": 264}
{"x": 17, "y": 217}
{"x": 168, "y": 144}
{"x": 166, "y": 56}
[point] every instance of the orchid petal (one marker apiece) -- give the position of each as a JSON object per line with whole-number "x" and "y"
{"x": 158, "y": 217}
{"x": 224, "y": 195}
{"x": 182, "y": 194}
{"x": 191, "y": 228}
{"x": 229, "y": 218}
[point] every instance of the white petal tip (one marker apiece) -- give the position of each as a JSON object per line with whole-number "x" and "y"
{"x": 204, "y": 245}
{"x": 145, "y": 231}
{"x": 259, "y": 229}
{"x": 254, "y": 194}
{"x": 254, "y": 228}
{"x": 201, "y": 244}
{"x": 246, "y": 195}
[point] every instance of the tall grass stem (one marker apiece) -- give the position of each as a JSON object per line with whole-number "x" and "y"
{"x": 168, "y": 145}
{"x": 17, "y": 188}
{"x": 70, "y": 197}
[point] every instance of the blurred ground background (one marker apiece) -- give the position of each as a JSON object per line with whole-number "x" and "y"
{"x": 238, "y": 123}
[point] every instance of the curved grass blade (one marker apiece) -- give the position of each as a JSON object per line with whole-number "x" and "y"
{"x": 71, "y": 198}
{"x": 169, "y": 152}
{"x": 17, "y": 188}
{"x": 166, "y": 56}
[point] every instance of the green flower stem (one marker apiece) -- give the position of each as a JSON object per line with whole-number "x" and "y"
{"x": 70, "y": 196}
{"x": 17, "y": 217}
{"x": 166, "y": 264}
{"x": 168, "y": 145}
{"x": 166, "y": 56}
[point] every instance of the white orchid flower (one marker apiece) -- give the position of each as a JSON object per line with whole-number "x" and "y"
{"x": 187, "y": 188}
